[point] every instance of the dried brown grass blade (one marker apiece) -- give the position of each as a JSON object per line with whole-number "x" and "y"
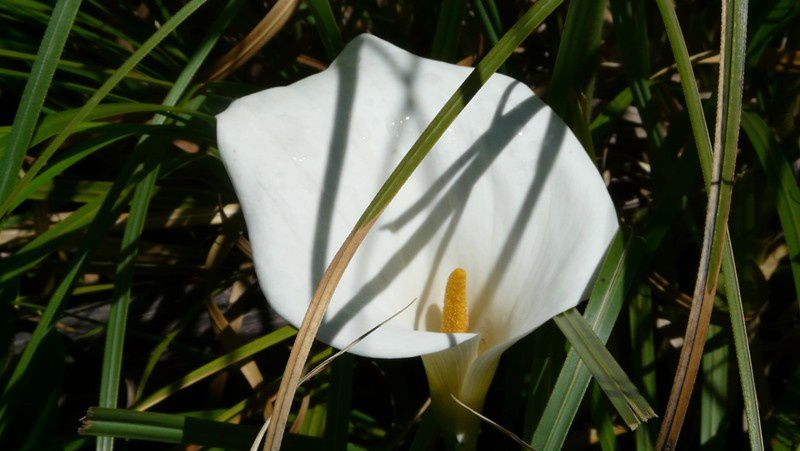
{"x": 269, "y": 26}
{"x": 505, "y": 431}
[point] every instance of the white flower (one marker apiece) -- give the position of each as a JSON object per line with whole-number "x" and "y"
{"x": 508, "y": 194}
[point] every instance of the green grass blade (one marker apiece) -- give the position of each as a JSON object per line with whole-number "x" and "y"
{"x": 780, "y": 16}
{"x": 572, "y": 83}
{"x": 172, "y": 428}
{"x": 164, "y": 31}
{"x": 491, "y": 28}
{"x": 448, "y": 28}
{"x": 231, "y": 358}
{"x": 625, "y": 397}
{"x": 614, "y": 279}
{"x": 55, "y": 37}
{"x": 340, "y": 392}
{"x": 108, "y": 209}
{"x": 642, "y": 324}
{"x": 781, "y": 180}
{"x": 729, "y": 273}
{"x": 327, "y": 27}
{"x": 714, "y": 390}
{"x": 602, "y": 419}
{"x": 118, "y": 314}
{"x": 715, "y": 239}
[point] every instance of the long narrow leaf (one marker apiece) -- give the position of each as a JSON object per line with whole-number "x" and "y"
{"x": 731, "y": 75}
{"x": 118, "y": 314}
{"x": 729, "y": 273}
{"x": 55, "y": 37}
{"x": 103, "y": 91}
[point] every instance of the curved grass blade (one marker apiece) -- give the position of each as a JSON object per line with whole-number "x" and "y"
{"x": 731, "y": 75}
{"x": 164, "y": 31}
{"x": 118, "y": 314}
{"x": 625, "y": 397}
{"x": 270, "y": 25}
{"x": 55, "y": 37}
{"x": 319, "y": 303}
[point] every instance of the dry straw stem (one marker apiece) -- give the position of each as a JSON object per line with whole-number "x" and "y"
{"x": 731, "y": 73}
{"x": 258, "y": 37}
{"x": 319, "y": 303}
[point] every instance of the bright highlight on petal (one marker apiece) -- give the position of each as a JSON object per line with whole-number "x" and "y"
{"x": 455, "y": 316}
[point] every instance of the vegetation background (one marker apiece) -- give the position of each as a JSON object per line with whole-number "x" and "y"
{"x": 119, "y": 222}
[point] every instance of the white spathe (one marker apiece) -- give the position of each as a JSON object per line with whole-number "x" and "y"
{"x": 508, "y": 194}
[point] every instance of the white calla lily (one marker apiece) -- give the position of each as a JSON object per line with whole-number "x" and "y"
{"x": 508, "y": 194}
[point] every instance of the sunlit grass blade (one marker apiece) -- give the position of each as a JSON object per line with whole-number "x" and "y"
{"x": 781, "y": 180}
{"x": 118, "y": 313}
{"x": 231, "y": 358}
{"x": 327, "y": 27}
{"x": 435, "y": 129}
{"x": 625, "y": 397}
{"x": 55, "y": 37}
{"x": 164, "y": 31}
{"x": 715, "y": 237}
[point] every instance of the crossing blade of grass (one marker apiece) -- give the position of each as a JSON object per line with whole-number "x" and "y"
{"x": 435, "y": 129}
{"x": 237, "y": 355}
{"x": 168, "y": 27}
{"x": 617, "y": 275}
{"x": 729, "y": 273}
{"x": 118, "y": 313}
{"x": 731, "y": 75}
{"x": 448, "y": 28}
{"x": 55, "y": 37}
{"x": 327, "y": 27}
{"x": 781, "y": 180}
{"x": 179, "y": 429}
{"x": 625, "y": 397}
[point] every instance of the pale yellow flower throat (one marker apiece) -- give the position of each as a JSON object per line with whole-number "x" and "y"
{"x": 455, "y": 317}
